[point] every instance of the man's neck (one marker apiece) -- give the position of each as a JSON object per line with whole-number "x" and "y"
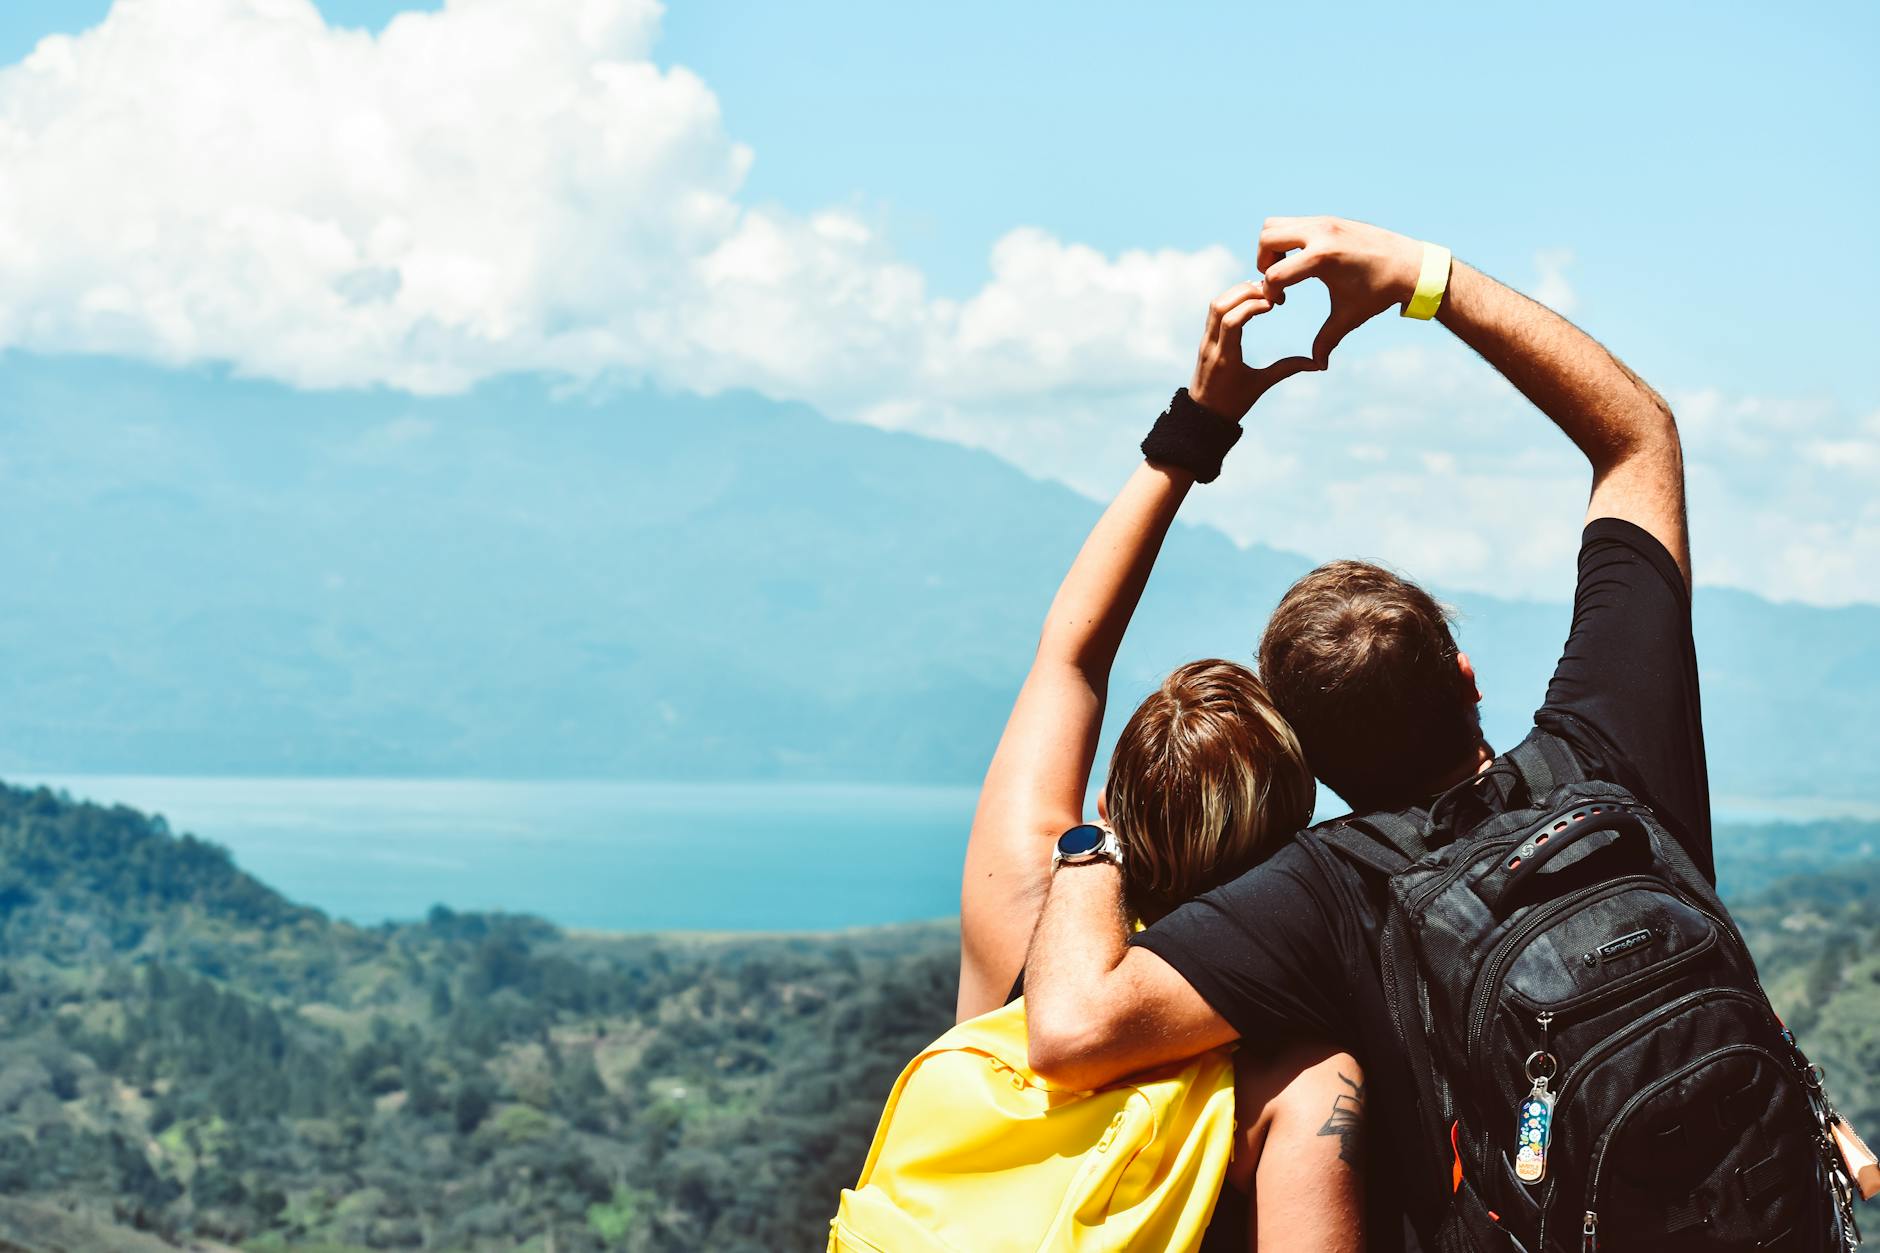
{"x": 1479, "y": 760}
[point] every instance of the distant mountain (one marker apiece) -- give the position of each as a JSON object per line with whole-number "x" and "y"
{"x": 209, "y": 575}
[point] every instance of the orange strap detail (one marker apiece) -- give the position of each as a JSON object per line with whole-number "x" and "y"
{"x": 1455, "y": 1129}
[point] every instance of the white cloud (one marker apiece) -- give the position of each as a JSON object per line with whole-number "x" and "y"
{"x": 1480, "y": 491}
{"x": 1420, "y": 457}
{"x": 1785, "y": 487}
{"x": 502, "y": 185}
{"x": 518, "y": 185}
{"x": 1057, "y": 314}
{"x": 468, "y": 192}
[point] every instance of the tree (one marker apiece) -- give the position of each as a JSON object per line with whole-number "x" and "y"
{"x": 471, "y": 1105}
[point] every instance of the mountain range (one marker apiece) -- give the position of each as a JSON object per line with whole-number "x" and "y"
{"x": 212, "y": 575}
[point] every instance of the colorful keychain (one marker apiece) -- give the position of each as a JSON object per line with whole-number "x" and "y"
{"x": 1534, "y": 1125}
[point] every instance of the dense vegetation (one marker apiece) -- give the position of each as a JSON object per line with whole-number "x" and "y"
{"x": 185, "y": 1054}
{"x": 1751, "y": 858}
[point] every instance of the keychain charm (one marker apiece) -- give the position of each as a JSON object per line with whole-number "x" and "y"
{"x": 1534, "y": 1124}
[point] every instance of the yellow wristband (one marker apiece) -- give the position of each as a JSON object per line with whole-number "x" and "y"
{"x": 1431, "y": 283}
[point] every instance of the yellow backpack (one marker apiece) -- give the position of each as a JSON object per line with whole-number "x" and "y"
{"x": 976, "y": 1154}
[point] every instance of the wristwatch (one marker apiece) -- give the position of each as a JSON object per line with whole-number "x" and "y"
{"x": 1085, "y": 843}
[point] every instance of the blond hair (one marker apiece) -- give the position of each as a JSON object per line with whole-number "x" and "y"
{"x": 1206, "y": 778}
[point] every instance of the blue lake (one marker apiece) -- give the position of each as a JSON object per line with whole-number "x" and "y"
{"x": 607, "y": 856}
{"x": 612, "y": 856}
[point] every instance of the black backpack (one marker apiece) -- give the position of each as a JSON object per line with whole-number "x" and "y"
{"x": 1596, "y": 1065}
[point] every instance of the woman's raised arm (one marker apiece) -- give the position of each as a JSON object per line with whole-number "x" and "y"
{"x": 1035, "y": 785}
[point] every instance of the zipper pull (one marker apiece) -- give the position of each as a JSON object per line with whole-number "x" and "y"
{"x": 1589, "y": 1233}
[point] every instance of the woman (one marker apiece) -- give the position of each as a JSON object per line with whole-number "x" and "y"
{"x": 1206, "y": 778}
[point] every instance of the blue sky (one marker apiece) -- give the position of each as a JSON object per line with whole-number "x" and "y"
{"x": 25, "y": 22}
{"x": 1684, "y": 152}
{"x": 990, "y": 224}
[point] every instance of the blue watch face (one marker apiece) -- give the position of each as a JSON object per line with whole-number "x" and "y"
{"x": 1079, "y": 840}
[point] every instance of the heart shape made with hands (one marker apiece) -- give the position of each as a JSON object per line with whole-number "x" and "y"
{"x": 1356, "y": 268}
{"x": 1307, "y": 302}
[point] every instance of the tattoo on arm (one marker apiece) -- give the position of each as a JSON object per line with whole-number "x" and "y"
{"x": 1347, "y": 1121}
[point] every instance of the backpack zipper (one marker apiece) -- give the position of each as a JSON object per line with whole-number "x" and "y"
{"x": 1576, "y": 1006}
{"x": 1480, "y": 1011}
{"x": 1590, "y": 1229}
{"x": 1389, "y": 959}
{"x": 1505, "y": 952}
{"x": 1641, "y": 1025}
{"x": 1612, "y": 1042}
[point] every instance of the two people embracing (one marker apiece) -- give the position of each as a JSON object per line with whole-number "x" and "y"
{"x": 1496, "y": 1007}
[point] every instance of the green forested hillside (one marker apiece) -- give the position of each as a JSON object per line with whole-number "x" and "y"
{"x": 1817, "y": 943}
{"x": 188, "y": 1053}
{"x": 185, "y": 1056}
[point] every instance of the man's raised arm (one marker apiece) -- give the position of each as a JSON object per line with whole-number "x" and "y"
{"x": 1097, "y": 1009}
{"x": 1624, "y": 428}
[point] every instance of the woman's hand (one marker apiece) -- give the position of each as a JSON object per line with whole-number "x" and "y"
{"x": 1224, "y": 383}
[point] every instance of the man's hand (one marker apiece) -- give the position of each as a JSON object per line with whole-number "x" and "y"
{"x": 1224, "y": 383}
{"x": 1366, "y": 269}
{"x": 1624, "y": 427}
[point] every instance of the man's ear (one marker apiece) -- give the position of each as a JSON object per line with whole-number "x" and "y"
{"x": 1468, "y": 674}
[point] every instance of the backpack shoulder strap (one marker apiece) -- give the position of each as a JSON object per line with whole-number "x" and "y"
{"x": 1399, "y": 832}
{"x": 1363, "y": 842}
{"x": 1545, "y": 763}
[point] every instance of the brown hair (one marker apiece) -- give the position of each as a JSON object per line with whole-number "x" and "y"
{"x": 1362, "y": 663}
{"x": 1205, "y": 776}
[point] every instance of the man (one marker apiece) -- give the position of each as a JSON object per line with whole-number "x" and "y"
{"x": 1364, "y": 666}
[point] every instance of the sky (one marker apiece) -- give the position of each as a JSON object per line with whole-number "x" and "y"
{"x": 998, "y": 225}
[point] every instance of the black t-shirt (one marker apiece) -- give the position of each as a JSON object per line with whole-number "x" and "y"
{"x": 1290, "y": 948}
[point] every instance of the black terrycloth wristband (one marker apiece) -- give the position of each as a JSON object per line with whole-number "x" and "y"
{"x": 1190, "y": 438}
